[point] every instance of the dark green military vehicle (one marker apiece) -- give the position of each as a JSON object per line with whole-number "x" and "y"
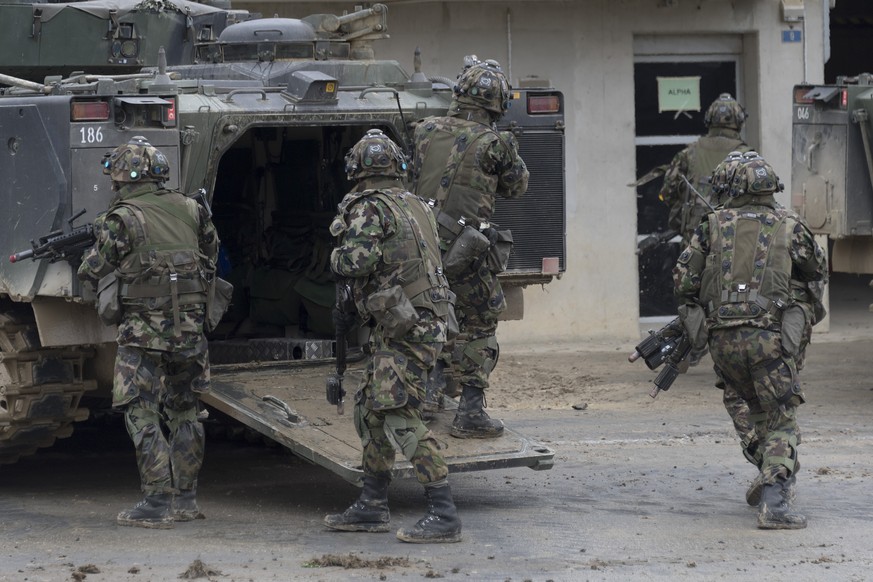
{"x": 259, "y": 119}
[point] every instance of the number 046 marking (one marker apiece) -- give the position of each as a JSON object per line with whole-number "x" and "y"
{"x": 91, "y": 134}
{"x": 803, "y": 113}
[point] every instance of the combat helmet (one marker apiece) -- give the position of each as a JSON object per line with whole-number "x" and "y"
{"x": 375, "y": 155}
{"x": 725, "y": 112}
{"x": 136, "y": 161}
{"x": 723, "y": 175}
{"x": 483, "y": 84}
{"x": 755, "y": 177}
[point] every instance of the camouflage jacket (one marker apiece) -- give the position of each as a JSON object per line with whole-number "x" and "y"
{"x": 463, "y": 164}
{"x": 696, "y": 162}
{"x": 146, "y": 328}
{"x": 369, "y": 253}
{"x": 699, "y": 265}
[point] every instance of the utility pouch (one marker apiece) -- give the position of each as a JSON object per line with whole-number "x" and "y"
{"x": 498, "y": 254}
{"x": 218, "y": 299}
{"x": 794, "y": 326}
{"x": 693, "y": 318}
{"x": 392, "y": 310}
{"x": 467, "y": 246}
{"x": 108, "y": 302}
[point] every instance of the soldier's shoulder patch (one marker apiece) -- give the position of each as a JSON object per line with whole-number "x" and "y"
{"x": 685, "y": 257}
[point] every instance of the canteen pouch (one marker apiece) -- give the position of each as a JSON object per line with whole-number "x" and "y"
{"x": 498, "y": 255}
{"x": 217, "y": 301}
{"x": 467, "y": 246}
{"x": 392, "y": 310}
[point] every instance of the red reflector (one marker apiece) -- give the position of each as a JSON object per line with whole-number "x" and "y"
{"x": 169, "y": 114}
{"x": 551, "y": 266}
{"x": 799, "y": 93}
{"x": 90, "y": 111}
{"x": 543, "y": 104}
{"x": 844, "y": 99}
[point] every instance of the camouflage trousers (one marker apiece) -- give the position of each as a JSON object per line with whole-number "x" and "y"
{"x": 158, "y": 392}
{"x": 473, "y": 354}
{"x": 400, "y": 369}
{"x": 751, "y": 363}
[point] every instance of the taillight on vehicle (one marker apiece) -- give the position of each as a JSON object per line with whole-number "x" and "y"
{"x": 168, "y": 114}
{"x": 844, "y": 99}
{"x": 89, "y": 111}
{"x": 543, "y": 104}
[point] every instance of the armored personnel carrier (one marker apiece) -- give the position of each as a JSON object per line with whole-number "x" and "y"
{"x": 259, "y": 121}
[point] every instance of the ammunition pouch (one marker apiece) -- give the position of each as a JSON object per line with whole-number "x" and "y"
{"x": 501, "y": 247}
{"x": 468, "y": 245}
{"x": 218, "y": 296}
{"x": 693, "y": 318}
{"x": 794, "y": 330}
{"x": 108, "y": 302}
{"x": 393, "y": 310}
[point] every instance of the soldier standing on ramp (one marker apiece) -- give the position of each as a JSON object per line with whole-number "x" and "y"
{"x": 463, "y": 163}
{"x": 389, "y": 249}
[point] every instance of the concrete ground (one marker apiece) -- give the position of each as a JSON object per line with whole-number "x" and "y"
{"x": 641, "y": 489}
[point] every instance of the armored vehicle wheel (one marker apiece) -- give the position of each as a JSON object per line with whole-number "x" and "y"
{"x": 40, "y": 389}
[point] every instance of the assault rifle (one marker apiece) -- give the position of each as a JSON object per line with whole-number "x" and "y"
{"x": 669, "y": 346}
{"x": 345, "y": 305}
{"x": 59, "y": 245}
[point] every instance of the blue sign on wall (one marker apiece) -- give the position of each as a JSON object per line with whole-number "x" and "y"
{"x": 792, "y": 36}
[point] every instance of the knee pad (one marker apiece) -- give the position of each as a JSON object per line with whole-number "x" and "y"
{"x": 404, "y": 433}
{"x": 471, "y": 352}
{"x": 176, "y": 418}
{"x": 363, "y": 427}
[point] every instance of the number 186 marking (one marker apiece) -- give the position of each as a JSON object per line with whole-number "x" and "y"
{"x": 91, "y": 134}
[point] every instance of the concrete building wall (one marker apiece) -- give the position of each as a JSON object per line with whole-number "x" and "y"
{"x": 586, "y": 48}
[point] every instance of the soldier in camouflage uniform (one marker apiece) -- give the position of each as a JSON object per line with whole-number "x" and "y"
{"x": 160, "y": 244}
{"x": 806, "y": 295}
{"x": 463, "y": 163}
{"x": 389, "y": 249}
{"x": 739, "y": 270}
{"x": 724, "y": 118}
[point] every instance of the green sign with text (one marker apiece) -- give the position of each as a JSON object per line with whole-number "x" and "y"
{"x": 678, "y": 94}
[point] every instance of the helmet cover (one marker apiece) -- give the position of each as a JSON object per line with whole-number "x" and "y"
{"x": 136, "y": 161}
{"x": 483, "y": 84}
{"x": 724, "y": 174}
{"x": 725, "y": 112}
{"x": 375, "y": 155}
{"x": 755, "y": 177}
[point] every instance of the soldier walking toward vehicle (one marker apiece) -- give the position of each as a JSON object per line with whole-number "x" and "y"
{"x": 463, "y": 163}
{"x": 739, "y": 271}
{"x": 389, "y": 250}
{"x": 158, "y": 246}
{"x": 724, "y": 119}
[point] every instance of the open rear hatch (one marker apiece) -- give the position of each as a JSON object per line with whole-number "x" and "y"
{"x": 287, "y": 404}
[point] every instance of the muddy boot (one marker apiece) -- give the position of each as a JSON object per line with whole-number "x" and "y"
{"x": 753, "y": 493}
{"x": 436, "y": 383}
{"x": 774, "y": 511}
{"x": 471, "y": 421}
{"x": 440, "y": 524}
{"x": 185, "y": 506}
{"x": 153, "y": 512}
{"x": 369, "y": 513}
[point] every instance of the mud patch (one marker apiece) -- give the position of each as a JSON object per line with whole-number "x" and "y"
{"x": 198, "y": 569}
{"x": 352, "y": 561}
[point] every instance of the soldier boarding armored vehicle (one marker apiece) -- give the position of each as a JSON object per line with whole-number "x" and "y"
{"x": 259, "y": 122}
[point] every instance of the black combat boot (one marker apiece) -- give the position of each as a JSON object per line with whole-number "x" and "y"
{"x": 153, "y": 511}
{"x": 369, "y": 513}
{"x": 440, "y": 524}
{"x": 185, "y": 506}
{"x": 774, "y": 511}
{"x": 471, "y": 421}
